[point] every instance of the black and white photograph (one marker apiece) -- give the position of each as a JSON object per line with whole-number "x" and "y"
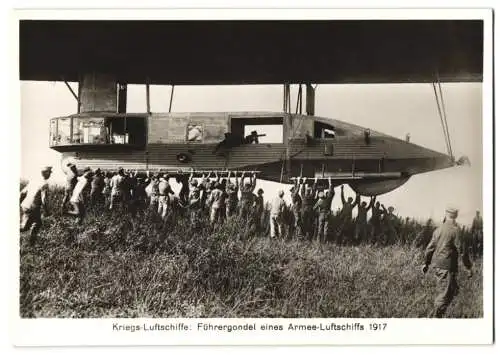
{"x": 326, "y": 170}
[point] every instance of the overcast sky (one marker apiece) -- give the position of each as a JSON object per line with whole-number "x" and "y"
{"x": 394, "y": 109}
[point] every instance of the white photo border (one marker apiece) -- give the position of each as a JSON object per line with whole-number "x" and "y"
{"x": 51, "y": 332}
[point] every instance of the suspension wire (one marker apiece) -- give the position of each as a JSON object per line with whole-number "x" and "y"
{"x": 445, "y": 118}
{"x": 448, "y": 148}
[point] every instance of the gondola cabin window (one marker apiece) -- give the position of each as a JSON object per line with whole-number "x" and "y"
{"x": 97, "y": 131}
{"x": 324, "y": 131}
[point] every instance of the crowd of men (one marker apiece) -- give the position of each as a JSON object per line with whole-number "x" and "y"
{"x": 220, "y": 198}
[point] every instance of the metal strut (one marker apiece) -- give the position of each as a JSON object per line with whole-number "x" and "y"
{"x": 171, "y": 99}
{"x": 74, "y": 95}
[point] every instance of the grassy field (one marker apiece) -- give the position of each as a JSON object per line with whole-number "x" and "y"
{"x": 113, "y": 266}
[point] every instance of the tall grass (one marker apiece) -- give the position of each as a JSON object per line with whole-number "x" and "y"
{"x": 115, "y": 265}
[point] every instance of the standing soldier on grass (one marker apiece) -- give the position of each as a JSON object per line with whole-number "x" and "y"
{"x": 71, "y": 177}
{"x": 216, "y": 203}
{"x": 232, "y": 196}
{"x": 258, "y": 209}
{"x": 106, "y": 190}
{"x": 97, "y": 186}
{"x": 324, "y": 206}
{"x": 246, "y": 200}
{"x": 376, "y": 219}
{"x": 183, "y": 180}
{"x": 296, "y": 207}
{"x": 361, "y": 231}
{"x": 118, "y": 189}
{"x": 276, "y": 216}
{"x": 346, "y": 214}
{"x": 445, "y": 247}
{"x": 33, "y": 199}
{"x": 308, "y": 195}
{"x": 164, "y": 192}
{"x": 152, "y": 191}
{"x": 477, "y": 234}
{"x": 77, "y": 198}
{"x": 195, "y": 207}
{"x": 390, "y": 220}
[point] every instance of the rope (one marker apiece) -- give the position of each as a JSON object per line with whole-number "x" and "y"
{"x": 442, "y": 119}
{"x": 445, "y": 118}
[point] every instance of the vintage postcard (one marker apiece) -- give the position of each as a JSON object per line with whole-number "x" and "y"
{"x": 253, "y": 177}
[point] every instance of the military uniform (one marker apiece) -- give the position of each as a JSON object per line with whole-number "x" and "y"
{"x": 296, "y": 207}
{"x": 216, "y": 203}
{"x": 276, "y": 217}
{"x": 32, "y": 200}
{"x": 118, "y": 190}
{"x": 258, "y": 211}
{"x": 164, "y": 190}
{"x": 70, "y": 183}
{"x": 232, "y": 199}
{"x": 246, "y": 201}
{"x": 307, "y": 213}
{"x": 362, "y": 221}
{"x": 324, "y": 206}
{"x": 444, "y": 250}
{"x": 477, "y": 235}
{"x": 195, "y": 208}
{"x": 97, "y": 185}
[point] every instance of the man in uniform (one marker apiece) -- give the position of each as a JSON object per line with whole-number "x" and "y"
{"x": 276, "y": 216}
{"x": 246, "y": 200}
{"x": 152, "y": 191}
{"x": 258, "y": 209}
{"x": 164, "y": 192}
{"x": 194, "y": 206}
{"x": 232, "y": 196}
{"x": 308, "y": 195}
{"x": 346, "y": 214}
{"x": 118, "y": 189}
{"x": 33, "y": 199}
{"x": 216, "y": 203}
{"x": 443, "y": 251}
{"x": 477, "y": 234}
{"x": 324, "y": 206}
{"x": 390, "y": 221}
{"x": 97, "y": 186}
{"x": 71, "y": 176}
{"x": 183, "y": 179}
{"x": 296, "y": 207}
{"x": 77, "y": 198}
{"x": 376, "y": 219}
{"x": 361, "y": 229}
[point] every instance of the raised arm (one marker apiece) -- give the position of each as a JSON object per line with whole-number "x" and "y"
{"x": 242, "y": 178}
{"x": 384, "y": 210}
{"x": 342, "y": 196}
{"x": 331, "y": 188}
{"x": 372, "y": 202}
{"x": 191, "y": 175}
{"x": 254, "y": 181}
{"x": 302, "y": 188}
{"x": 315, "y": 186}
